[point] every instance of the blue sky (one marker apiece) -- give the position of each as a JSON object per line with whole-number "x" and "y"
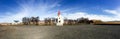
{"x": 105, "y": 10}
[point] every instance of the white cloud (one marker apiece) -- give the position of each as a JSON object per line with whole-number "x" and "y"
{"x": 91, "y": 16}
{"x": 43, "y": 10}
{"x": 114, "y": 12}
{"x": 29, "y": 9}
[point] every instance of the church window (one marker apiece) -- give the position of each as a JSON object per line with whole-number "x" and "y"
{"x": 59, "y": 21}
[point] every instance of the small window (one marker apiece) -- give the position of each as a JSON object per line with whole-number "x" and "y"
{"x": 59, "y": 21}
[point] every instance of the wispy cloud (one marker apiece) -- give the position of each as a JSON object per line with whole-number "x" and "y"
{"x": 114, "y": 12}
{"x": 46, "y": 8}
{"x": 115, "y": 17}
{"x": 30, "y": 8}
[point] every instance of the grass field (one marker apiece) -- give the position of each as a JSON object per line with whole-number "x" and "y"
{"x": 61, "y": 32}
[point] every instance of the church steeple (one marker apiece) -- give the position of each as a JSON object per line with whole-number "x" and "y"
{"x": 58, "y": 12}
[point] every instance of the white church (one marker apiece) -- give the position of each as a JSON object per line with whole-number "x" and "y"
{"x": 60, "y": 20}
